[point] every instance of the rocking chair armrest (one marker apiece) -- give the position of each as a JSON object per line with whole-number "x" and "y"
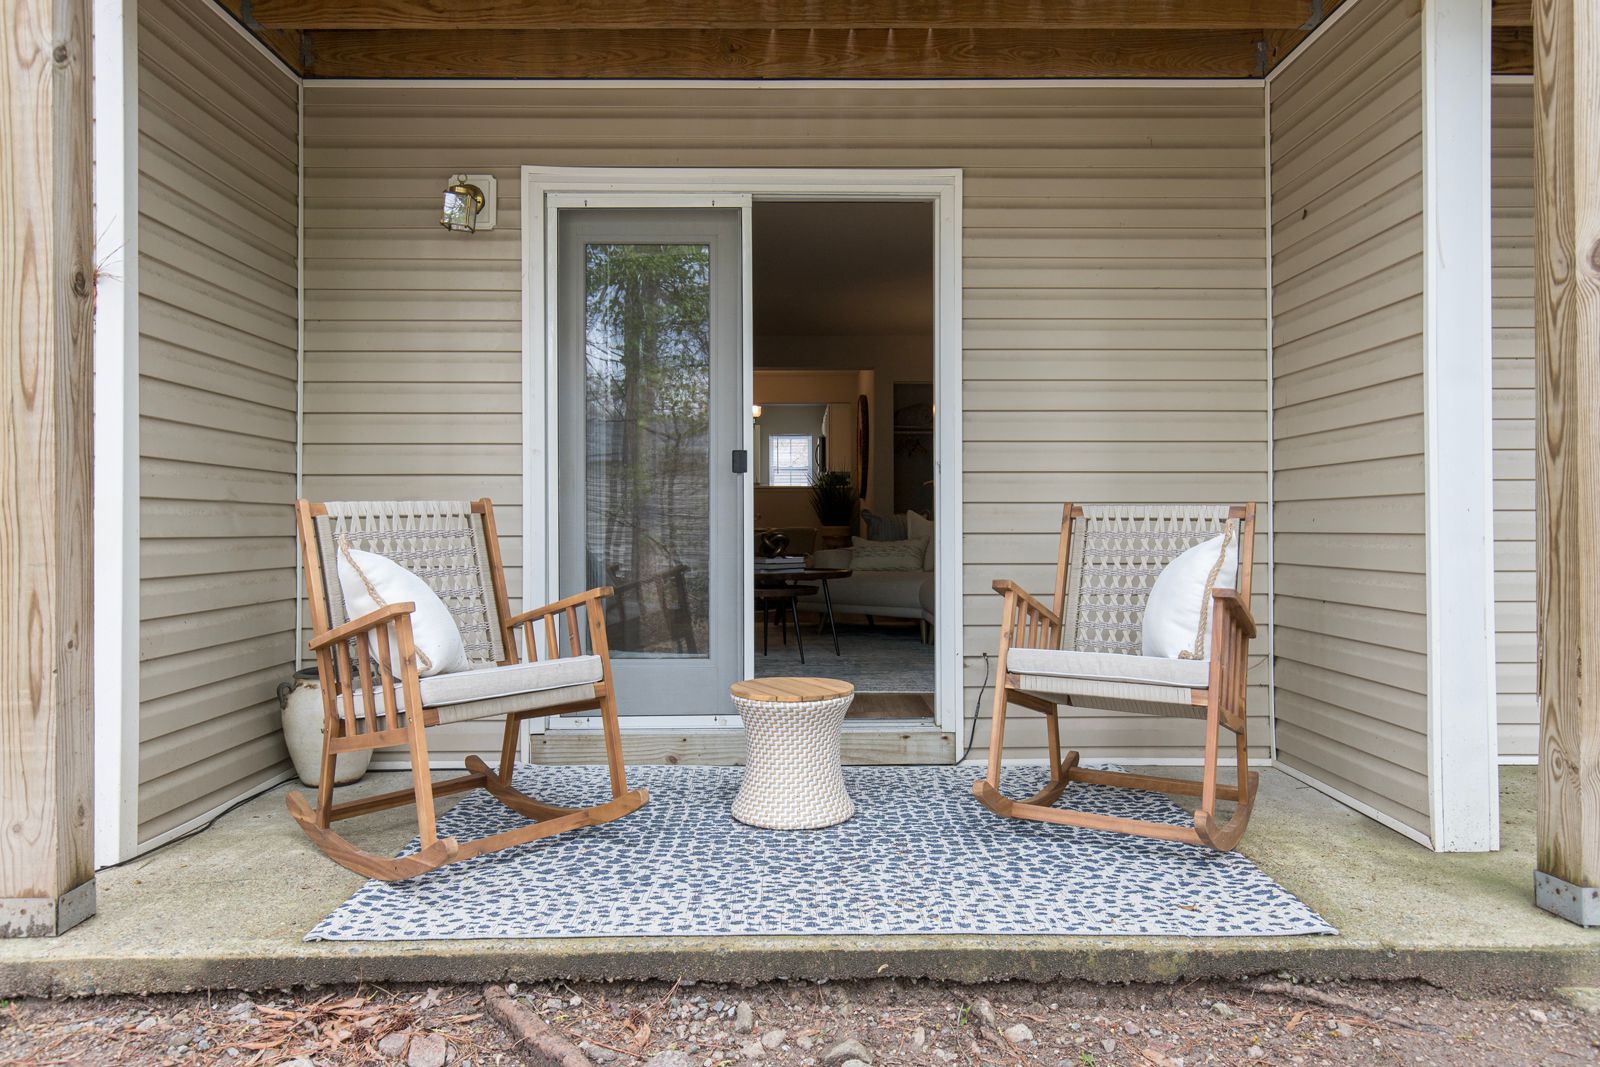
{"x": 594, "y": 595}
{"x": 1006, "y": 587}
{"x": 1027, "y": 623}
{"x": 366, "y": 622}
{"x": 1235, "y": 606}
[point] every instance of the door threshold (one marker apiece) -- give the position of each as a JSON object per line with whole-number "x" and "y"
{"x": 864, "y": 741}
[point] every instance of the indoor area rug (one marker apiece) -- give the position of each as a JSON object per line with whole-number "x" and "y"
{"x": 887, "y": 660}
{"x": 921, "y": 856}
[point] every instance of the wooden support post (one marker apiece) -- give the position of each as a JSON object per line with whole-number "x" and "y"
{"x": 46, "y": 287}
{"x": 1567, "y": 346}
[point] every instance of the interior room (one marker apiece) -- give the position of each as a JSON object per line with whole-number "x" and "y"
{"x": 843, "y": 320}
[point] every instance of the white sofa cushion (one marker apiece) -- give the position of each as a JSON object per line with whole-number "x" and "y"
{"x": 370, "y": 581}
{"x": 1110, "y": 667}
{"x": 1177, "y": 613}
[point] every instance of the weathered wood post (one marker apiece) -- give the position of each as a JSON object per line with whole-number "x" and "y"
{"x": 46, "y": 297}
{"x": 1567, "y": 345}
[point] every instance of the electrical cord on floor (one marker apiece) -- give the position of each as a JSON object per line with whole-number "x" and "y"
{"x": 977, "y": 705}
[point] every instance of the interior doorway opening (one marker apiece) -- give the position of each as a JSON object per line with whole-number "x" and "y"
{"x": 843, "y": 449}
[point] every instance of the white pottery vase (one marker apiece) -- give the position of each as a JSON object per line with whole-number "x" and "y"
{"x": 301, "y": 701}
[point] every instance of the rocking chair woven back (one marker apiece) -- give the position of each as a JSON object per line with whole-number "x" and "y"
{"x": 1111, "y": 554}
{"x": 450, "y": 544}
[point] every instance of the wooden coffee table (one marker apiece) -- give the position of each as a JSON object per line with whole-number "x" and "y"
{"x": 792, "y": 776}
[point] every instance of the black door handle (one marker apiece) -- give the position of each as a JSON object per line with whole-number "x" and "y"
{"x": 741, "y": 461}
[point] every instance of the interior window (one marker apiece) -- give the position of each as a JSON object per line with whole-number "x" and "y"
{"x": 789, "y": 458}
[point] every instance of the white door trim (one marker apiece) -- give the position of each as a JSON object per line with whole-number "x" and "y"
{"x": 547, "y": 190}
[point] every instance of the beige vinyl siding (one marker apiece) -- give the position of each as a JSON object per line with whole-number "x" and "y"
{"x": 1346, "y": 157}
{"x": 217, "y": 354}
{"x": 1511, "y": 140}
{"x": 1114, "y": 304}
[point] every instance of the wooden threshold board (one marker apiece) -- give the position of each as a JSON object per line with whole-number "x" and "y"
{"x": 861, "y": 744}
{"x": 897, "y": 706}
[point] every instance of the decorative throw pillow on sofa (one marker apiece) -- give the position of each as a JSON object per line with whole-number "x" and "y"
{"x": 868, "y": 555}
{"x": 919, "y": 528}
{"x": 370, "y": 581}
{"x": 883, "y": 527}
{"x": 1177, "y": 614}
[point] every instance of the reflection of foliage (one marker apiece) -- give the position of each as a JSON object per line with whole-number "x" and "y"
{"x": 833, "y": 498}
{"x": 647, "y": 368}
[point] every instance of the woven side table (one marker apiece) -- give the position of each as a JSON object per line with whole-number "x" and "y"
{"x": 792, "y": 779}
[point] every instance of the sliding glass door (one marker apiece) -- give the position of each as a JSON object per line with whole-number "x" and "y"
{"x": 649, "y": 381}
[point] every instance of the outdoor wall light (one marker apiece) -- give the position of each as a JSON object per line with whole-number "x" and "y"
{"x": 469, "y": 203}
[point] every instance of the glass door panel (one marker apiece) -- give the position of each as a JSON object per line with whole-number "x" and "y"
{"x": 649, "y": 381}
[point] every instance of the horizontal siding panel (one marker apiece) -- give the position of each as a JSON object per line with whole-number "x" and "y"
{"x": 217, "y": 396}
{"x": 1066, "y": 397}
{"x": 1511, "y": 170}
{"x": 1398, "y": 399}
{"x": 1350, "y": 484}
{"x": 1112, "y": 426}
{"x": 1144, "y": 456}
{"x": 1403, "y": 796}
{"x": 184, "y": 795}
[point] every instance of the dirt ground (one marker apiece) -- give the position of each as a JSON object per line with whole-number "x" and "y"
{"x": 881, "y": 1023}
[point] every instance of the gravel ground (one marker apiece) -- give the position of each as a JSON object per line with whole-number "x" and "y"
{"x": 881, "y": 1023}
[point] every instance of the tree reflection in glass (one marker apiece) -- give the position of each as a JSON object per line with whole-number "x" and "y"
{"x": 647, "y": 392}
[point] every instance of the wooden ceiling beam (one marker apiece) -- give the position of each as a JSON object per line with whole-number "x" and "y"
{"x": 287, "y": 44}
{"x": 1511, "y": 13}
{"x": 776, "y": 54}
{"x": 783, "y": 14}
{"x": 1511, "y": 50}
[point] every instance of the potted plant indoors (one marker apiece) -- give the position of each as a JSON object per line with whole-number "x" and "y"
{"x": 833, "y": 498}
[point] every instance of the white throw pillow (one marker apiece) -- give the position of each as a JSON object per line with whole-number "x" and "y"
{"x": 370, "y": 581}
{"x": 1177, "y": 614}
{"x": 917, "y": 529}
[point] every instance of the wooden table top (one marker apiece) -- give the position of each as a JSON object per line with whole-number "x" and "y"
{"x": 791, "y": 690}
{"x": 809, "y": 574}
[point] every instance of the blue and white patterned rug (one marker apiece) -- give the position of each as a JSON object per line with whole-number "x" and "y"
{"x": 921, "y": 856}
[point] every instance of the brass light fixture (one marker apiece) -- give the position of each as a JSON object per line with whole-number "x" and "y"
{"x": 469, "y": 203}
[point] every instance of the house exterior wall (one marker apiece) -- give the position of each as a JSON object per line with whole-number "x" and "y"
{"x": 217, "y": 357}
{"x": 1114, "y": 305}
{"x": 1512, "y": 142}
{"x": 1348, "y": 431}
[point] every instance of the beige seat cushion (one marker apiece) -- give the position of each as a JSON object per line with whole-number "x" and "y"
{"x": 1109, "y": 667}
{"x": 1140, "y": 685}
{"x": 490, "y": 691}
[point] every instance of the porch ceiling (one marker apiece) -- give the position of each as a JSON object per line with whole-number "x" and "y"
{"x": 787, "y": 39}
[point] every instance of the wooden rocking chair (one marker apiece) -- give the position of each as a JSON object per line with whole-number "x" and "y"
{"x": 1085, "y": 652}
{"x": 369, "y": 702}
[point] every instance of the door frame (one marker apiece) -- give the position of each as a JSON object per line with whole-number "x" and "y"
{"x": 546, "y": 191}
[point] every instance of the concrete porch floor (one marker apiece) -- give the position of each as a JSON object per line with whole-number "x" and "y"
{"x": 228, "y": 908}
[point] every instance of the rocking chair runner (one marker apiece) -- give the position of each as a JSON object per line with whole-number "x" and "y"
{"x": 369, "y": 702}
{"x": 1085, "y": 652}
